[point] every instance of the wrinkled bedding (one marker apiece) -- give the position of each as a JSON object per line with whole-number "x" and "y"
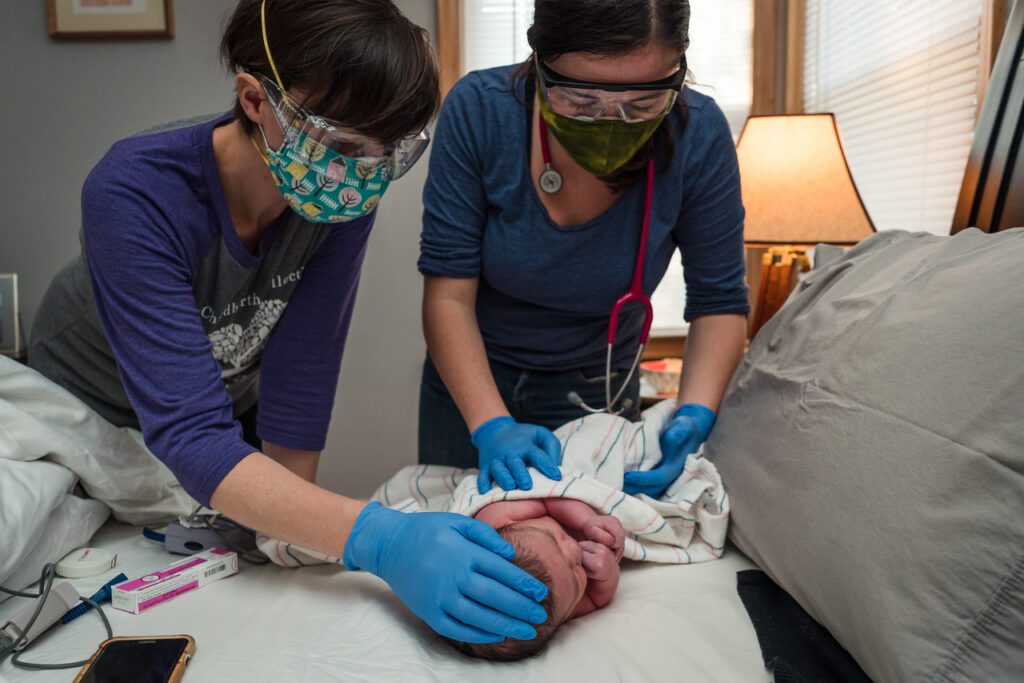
{"x": 63, "y": 471}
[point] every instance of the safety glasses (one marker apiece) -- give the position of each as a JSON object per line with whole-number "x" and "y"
{"x": 318, "y": 133}
{"x": 587, "y": 101}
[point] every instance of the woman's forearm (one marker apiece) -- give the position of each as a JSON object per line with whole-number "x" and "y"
{"x": 302, "y": 463}
{"x": 264, "y": 495}
{"x": 457, "y": 349}
{"x": 714, "y": 348}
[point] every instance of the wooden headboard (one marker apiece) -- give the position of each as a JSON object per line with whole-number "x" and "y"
{"x": 992, "y": 195}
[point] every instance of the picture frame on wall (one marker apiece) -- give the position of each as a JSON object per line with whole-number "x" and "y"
{"x": 109, "y": 19}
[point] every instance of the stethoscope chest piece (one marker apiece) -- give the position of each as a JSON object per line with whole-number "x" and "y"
{"x": 550, "y": 180}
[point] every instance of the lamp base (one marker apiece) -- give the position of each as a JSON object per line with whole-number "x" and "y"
{"x": 779, "y": 269}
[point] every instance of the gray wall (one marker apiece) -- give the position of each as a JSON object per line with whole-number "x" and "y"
{"x": 65, "y": 103}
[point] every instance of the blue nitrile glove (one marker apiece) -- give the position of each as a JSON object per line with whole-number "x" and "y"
{"x": 688, "y": 429}
{"x": 507, "y": 448}
{"x": 452, "y": 571}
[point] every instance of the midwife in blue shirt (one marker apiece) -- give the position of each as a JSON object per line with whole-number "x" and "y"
{"x": 533, "y": 214}
{"x": 219, "y": 266}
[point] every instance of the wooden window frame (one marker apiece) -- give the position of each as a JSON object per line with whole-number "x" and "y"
{"x": 449, "y": 43}
{"x": 778, "y": 57}
{"x": 993, "y": 24}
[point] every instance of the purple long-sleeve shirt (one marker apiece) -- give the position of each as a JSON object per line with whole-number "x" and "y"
{"x": 166, "y": 322}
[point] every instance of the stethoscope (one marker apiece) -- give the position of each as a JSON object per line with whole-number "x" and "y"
{"x": 551, "y": 182}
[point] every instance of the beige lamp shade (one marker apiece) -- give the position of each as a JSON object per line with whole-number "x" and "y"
{"x": 797, "y": 187}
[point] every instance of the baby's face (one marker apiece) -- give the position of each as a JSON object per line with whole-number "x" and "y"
{"x": 562, "y": 557}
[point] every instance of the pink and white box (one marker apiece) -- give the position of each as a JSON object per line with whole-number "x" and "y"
{"x": 138, "y": 595}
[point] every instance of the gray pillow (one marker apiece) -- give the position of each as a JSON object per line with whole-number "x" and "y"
{"x": 872, "y": 443}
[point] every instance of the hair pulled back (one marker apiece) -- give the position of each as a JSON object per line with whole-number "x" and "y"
{"x": 613, "y": 28}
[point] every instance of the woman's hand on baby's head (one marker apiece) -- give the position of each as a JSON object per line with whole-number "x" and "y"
{"x": 607, "y": 531}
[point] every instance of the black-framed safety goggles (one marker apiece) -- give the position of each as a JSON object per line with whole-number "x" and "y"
{"x": 587, "y": 101}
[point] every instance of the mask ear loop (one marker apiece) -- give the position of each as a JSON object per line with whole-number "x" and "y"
{"x": 266, "y": 143}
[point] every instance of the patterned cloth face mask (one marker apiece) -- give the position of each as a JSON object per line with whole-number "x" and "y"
{"x": 321, "y": 184}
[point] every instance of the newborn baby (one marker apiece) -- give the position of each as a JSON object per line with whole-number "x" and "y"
{"x": 559, "y": 529}
{"x": 573, "y": 550}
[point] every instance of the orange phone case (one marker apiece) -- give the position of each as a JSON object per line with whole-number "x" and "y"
{"x": 176, "y": 673}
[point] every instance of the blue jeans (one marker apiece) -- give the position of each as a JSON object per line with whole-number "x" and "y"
{"x": 533, "y": 397}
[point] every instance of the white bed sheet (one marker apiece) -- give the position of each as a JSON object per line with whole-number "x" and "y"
{"x": 667, "y": 623}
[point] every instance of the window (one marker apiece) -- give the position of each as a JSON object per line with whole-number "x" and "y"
{"x": 494, "y": 32}
{"x": 719, "y": 57}
{"x": 720, "y": 62}
{"x": 902, "y": 80}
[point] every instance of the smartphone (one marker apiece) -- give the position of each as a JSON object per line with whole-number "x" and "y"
{"x": 139, "y": 659}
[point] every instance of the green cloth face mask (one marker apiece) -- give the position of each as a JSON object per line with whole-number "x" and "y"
{"x": 602, "y": 146}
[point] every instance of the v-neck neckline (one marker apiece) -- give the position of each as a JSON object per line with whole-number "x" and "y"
{"x": 529, "y": 95}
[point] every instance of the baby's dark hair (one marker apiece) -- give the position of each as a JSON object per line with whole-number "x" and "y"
{"x": 511, "y": 649}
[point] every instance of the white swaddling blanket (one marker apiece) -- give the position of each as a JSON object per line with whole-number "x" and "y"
{"x": 687, "y": 524}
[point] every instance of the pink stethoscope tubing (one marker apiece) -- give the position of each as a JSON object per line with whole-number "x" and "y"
{"x": 634, "y": 294}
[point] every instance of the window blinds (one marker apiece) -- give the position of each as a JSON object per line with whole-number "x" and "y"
{"x": 494, "y": 32}
{"x": 719, "y": 57}
{"x": 901, "y": 78}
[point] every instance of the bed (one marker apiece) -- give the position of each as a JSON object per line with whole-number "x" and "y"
{"x": 322, "y": 623}
{"x": 63, "y": 470}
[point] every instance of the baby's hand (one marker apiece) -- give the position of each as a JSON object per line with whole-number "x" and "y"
{"x": 607, "y": 531}
{"x": 599, "y": 562}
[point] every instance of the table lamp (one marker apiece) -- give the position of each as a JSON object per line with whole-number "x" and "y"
{"x": 798, "y": 192}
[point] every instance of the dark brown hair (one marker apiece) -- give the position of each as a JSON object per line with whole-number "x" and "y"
{"x": 359, "y": 62}
{"x": 613, "y": 28}
{"x": 510, "y": 649}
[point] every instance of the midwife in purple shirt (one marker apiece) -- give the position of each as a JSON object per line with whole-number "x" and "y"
{"x": 219, "y": 268}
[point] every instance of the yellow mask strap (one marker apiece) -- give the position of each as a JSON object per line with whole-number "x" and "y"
{"x": 260, "y": 151}
{"x": 266, "y": 46}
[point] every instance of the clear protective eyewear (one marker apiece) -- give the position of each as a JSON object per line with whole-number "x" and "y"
{"x": 396, "y": 158}
{"x": 587, "y": 101}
